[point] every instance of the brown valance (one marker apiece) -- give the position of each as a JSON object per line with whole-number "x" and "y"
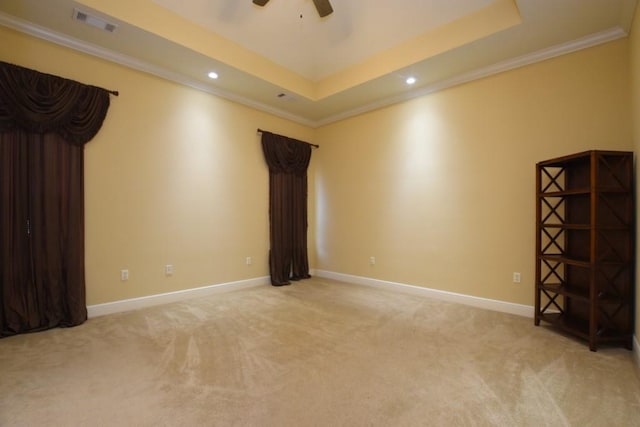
{"x": 285, "y": 155}
{"x": 41, "y": 103}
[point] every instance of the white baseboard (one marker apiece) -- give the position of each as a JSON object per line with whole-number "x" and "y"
{"x": 490, "y": 304}
{"x": 151, "y": 300}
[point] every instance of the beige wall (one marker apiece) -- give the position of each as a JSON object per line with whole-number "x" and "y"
{"x": 175, "y": 176}
{"x": 441, "y": 189}
{"x": 635, "y": 93}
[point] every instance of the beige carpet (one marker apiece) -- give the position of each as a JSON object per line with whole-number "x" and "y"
{"x": 317, "y": 353}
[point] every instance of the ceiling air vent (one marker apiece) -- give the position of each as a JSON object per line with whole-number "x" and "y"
{"x": 286, "y": 96}
{"x": 94, "y": 21}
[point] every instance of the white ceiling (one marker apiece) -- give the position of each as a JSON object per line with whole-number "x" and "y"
{"x": 291, "y": 33}
{"x": 328, "y": 68}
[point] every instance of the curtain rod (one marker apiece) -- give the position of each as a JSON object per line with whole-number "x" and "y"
{"x": 308, "y": 143}
{"x": 110, "y": 92}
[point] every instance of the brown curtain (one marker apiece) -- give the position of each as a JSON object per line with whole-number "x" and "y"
{"x": 44, "y": 123}
{"x": 288, "y": 160}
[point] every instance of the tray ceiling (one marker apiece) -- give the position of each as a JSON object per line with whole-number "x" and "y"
{"x": 284, "y": 59}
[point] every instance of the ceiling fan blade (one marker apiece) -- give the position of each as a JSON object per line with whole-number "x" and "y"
{"x": 324, "y": 7}
{"x": 260, "y": 2}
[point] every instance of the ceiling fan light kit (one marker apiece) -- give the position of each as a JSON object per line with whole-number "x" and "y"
{"x": 322, "y": 6}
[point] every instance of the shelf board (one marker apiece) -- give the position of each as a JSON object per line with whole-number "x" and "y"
{"x": 564, "y": 193}
{"x": 571, "y": 292}
{"x": 567, "y": 226}
{"x": 582, "y": 157}
{"x": 582, "y": 191}
{"x": 580, "y": 262}
{"x": 580, "y": 327}
{"x": 580, "y": 293}
{"x": 575, "y": 326}
{"x": 566, "y": 260}
{"x": 587, "y": 227}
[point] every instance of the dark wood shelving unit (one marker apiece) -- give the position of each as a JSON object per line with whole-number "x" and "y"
{"x": 585, "y": 237}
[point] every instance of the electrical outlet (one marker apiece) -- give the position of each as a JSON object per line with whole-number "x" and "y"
{"x": 168, "y": 270}
{"x": 124, "y": 275}
{"x": 372, "y": 260}
{"x": 248, "y": 260}
{"x": 516, "y": 278}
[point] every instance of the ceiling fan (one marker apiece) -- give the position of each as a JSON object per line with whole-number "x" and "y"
{"x": 323, "y": 6}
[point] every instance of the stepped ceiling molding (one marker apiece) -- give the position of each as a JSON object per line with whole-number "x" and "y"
{"x": 284, "y": 59}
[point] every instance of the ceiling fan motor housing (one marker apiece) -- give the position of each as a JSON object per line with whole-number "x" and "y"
{"x": 322, "y": 6}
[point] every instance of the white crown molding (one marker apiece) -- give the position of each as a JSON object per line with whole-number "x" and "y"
{"x": 166, "y": 298}
{"x": 136, "y": 64}
{"x": 500, "y": 67}
{"x": 485, "y": 303}
{"x": 37, "y": 31}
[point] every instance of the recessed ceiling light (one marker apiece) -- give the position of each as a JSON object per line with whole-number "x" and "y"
{"x": 213, "y": 75}
{"x": 410, "y": 80}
